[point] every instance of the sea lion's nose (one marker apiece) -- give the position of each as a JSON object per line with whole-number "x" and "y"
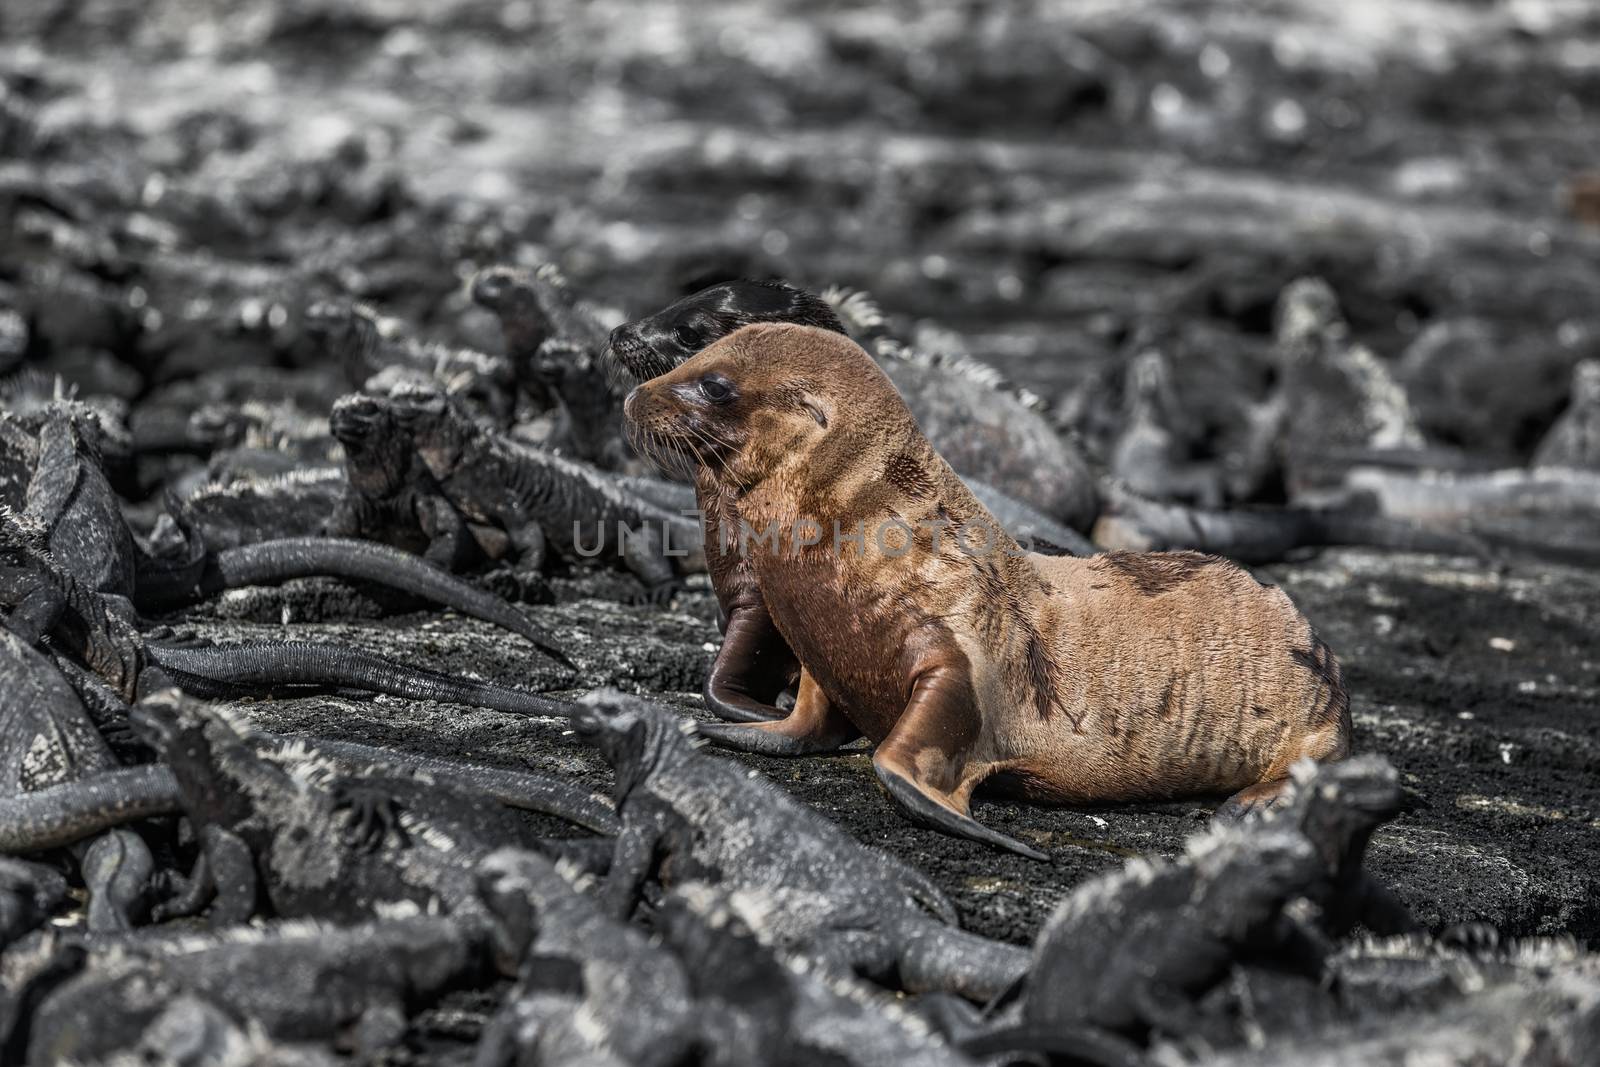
{"x": 621, "y": 338}
{"x": 630, "y": 406}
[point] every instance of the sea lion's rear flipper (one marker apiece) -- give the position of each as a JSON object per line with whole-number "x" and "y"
{"x": 1255, "y": 799}
{"x": 813, "y": 726}
{"x": 920, "y": 763}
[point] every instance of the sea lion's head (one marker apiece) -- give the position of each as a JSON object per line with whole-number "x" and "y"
{"x": 766, "y": 396}
{"x": 652, "y": 346}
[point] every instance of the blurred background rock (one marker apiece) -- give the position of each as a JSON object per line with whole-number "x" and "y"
{"x": 1057, "y": 183}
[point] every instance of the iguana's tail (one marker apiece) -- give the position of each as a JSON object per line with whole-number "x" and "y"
{"x": 219, "y": 671}
{"x": 63, "y": 814}
{"x": 1264, "y": 534}
{"x": 515, "y": 789}
{"x": 269, "y": 562}
{"x": 1080, "y": 1044}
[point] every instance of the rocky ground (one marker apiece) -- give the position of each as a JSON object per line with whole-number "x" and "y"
{"x": 1048, "y": 186}
{"x": 1482, "y": 688}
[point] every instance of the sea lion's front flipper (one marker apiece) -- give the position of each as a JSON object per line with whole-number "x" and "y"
{"x": 813, "y": 726}
{"x": 923, "y": 762}
{"x": 754, "y": 665}
{"x": 1253, "y": 800}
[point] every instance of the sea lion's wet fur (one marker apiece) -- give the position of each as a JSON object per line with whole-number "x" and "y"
{"x": 1118, "y": 677}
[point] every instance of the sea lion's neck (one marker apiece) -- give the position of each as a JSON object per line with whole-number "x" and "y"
{"x": 821, "y": 481}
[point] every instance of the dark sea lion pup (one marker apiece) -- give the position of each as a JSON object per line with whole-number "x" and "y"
{"x": 652, "y": 346}
{"x": 920, "y": 624}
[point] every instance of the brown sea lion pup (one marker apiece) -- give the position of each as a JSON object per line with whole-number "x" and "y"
{"x": 921, "y": 625}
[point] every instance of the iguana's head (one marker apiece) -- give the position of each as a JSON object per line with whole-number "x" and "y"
{"x": 512, "y": 882}
{"x": 514, "y": 296}
{"x": 1307, "y": 314}
{"x": 77, "y": 422}
{"x": 373, "y": 447}
{"x": 438, "y": 430}
{"x": 1149, "y": 380}
{"x": 560, "y": 363}
{"x": 1337, "y": 806}
{"x": 217, "y": 426}
{"x": 211, "y": 755}
{"x": 652, "y": 346}
{"x": 333, "y": 325}
{"x": 634, "y": 735}
{"x": 1586, "y": 383}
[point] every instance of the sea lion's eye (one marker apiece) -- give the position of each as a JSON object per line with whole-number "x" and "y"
{"x": 716, "y": 388}
{"x": 688, "y": 337}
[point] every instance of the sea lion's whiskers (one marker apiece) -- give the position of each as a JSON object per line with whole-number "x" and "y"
{"x": 658, "y": 449}
{"x": 681, "y": 464}
{"x": 699, "y": 457}
{"x": 718, "y": 446}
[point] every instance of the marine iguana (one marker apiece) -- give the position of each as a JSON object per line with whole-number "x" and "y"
{"x": 99, "y": 630}
{"x": 1340, "y": 397}
{"x": 759, "y": 1006}
{"x": 1148, "y": 456}
{"x": 71, "y": 499}
{"x": 48, "y": 741}
{"x": 1416, "y": 1000}
{"x": 557, "y": 346}
{"x": 89, "y": 537}
{"x": 811, "y": 888}
{"x": 353, "y": 986}
{"x": 588, "y": 984}
{"x": 65, "y": 814}
{"x": 189, "y": 1032}
{"x": 1336, "y": 807}
{"x": 1574, "y": 440}
{"x": 389, "y": 494}
{"x": 306, "y": 839}
{"x": 1263, "y": 534}
{"x": 543, "y": 501}
{"x": 235, "y": 512}
{"x": 1128, "y": 953}
{"x": 367, "y": 345}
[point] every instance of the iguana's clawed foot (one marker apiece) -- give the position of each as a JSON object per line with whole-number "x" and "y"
{"x": 180, "y": 897}
{"x": 372, "y": 815}
{"x": 1473, "y": 938}
{"x": 177, "y": 638}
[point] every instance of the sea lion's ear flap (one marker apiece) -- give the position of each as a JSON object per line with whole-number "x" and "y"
{"x": 816, "y": 412}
